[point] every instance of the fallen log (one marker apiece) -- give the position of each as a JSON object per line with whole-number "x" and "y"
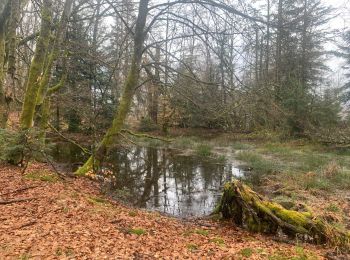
{"x": 250, "y": 210}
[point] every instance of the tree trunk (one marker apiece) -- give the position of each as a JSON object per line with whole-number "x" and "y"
{"x": 4, "y": 15}
{"x": 36, "y": 67}
{"x": 279, "y": 46}
{"x": 3, "y": 113}
{"x": 128, "y": 93}
{"x": 43, "y": 96}
{"x": 250, "y": 210}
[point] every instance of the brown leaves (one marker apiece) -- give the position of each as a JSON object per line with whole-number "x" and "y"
{"x": 72, "y": 220}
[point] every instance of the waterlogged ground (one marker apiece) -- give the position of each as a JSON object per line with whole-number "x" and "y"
{"x": 298, "y": 174}
{"x": 184, "y": 178}
{"x": 166, "y": 180}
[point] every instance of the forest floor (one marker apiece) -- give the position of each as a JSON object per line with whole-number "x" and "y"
{"x": 45, "y": 217}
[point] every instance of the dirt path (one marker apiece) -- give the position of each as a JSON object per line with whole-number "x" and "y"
{"x": 71, "y": 220}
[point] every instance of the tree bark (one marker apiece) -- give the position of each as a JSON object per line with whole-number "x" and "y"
{"x": 128, "y": 93}
{"x": 36, "y": 67}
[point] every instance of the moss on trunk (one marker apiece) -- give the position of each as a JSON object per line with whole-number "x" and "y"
{"x": 36, "y": 67}
{"x": 251, "y": 211}
{"x": 128, "y": 93}
{"x": 3, "y": 110}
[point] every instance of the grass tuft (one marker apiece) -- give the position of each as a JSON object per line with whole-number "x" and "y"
{"x": 137, "y": 231}
{"x": 203, "y": 150}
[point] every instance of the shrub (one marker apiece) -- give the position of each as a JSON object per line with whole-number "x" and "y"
{"x": 15, "y": 147}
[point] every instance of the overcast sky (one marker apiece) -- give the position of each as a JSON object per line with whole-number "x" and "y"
{"x": 341, "y": 21}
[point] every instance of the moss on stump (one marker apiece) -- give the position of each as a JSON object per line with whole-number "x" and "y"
{"x": 250, "y": 210}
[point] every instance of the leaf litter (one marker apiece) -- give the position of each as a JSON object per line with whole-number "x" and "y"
{"x": 70, "y": 219}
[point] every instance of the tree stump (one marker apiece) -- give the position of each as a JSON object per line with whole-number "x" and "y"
{"x": 250, "y": 210}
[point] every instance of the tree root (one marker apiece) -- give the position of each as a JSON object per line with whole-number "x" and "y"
{"x": 251, "y": 211}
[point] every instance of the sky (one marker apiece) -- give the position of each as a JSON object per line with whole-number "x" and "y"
{"x": 341, "y": 21}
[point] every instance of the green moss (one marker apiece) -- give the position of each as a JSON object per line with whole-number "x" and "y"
{"x": 36, "y": 67}
{"x": 137, "y": 231}
{"x": 98, "y": 200}
{"x": 133, "y": 213}
{"x": 87, "y": 167}
{"x": 42, "y": 176}
{"x": 218, "y": 240}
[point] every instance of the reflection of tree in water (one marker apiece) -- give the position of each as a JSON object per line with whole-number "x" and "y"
{"x": 164, "y": 180}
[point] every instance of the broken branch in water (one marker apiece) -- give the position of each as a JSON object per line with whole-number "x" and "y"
{"x": 146, "y": 136}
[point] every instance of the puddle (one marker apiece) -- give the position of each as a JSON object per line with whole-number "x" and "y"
{"x": 159, "y": 179}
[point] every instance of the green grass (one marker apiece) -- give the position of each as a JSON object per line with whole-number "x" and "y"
{"x": 42, "y": 176}
{"x": 204, "y": 150}
{"x": 221, "y": 158}
{"x": 241, "y": 146}
{"x": 202, "y": 232}
{"x": 137, "y": 231}
{"x": 218, "y": 240}
{"x": 185, "y": 142}
{"x": 246, "y": 252}
{"x": 192, "y": 247}
{"x": 300, "y": 255}
{"x": 310, "y": 167}
{"x": 333, "y": 208}
{"x": 257, "y": 162}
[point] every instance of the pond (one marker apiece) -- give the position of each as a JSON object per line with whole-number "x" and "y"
{"x": 159, "y": 179}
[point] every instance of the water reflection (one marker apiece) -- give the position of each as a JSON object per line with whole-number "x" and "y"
{"x": 164, "y": 180}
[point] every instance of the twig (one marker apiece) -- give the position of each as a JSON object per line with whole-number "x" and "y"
{"x": 27, "y": 224}
{"x": 6, "y": 202}
{"x": 19, "y": 190}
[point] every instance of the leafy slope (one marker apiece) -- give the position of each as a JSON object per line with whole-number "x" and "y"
{"x": 70, "y": 219}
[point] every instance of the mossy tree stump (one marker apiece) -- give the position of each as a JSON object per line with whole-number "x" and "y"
{"x": 250, "y": 210}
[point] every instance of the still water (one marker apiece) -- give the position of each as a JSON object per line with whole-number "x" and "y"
{"x": 160, "y": 179}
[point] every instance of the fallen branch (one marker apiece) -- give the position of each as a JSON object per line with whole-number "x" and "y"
{"x": 19, "y": 190}
{"x": 86, "y": 151}
{"x": 251, "y": 211}
{"x": 6, "y": 202}
{"x": 146, "y": 136}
